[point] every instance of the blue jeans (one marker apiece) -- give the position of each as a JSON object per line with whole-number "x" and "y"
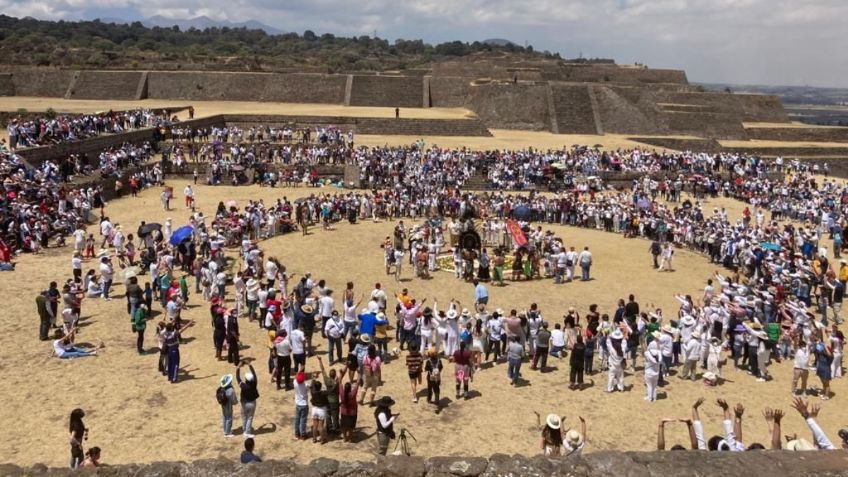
{"x": 107, "y": 285}
{"x": 584, "y": 269}
{"x": 163, "y": 296}
{"x": 300, "y": 417}
{"x": 76, "y": 354}
{"x": 513, "y": 369}
{"x": 133, "y": 307}
{"x": 173, "y": 363}
{"x": 227, "y": 415}
{"x": 348, "y": 327}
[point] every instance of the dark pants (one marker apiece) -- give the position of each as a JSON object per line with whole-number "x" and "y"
{"x": 588, "y": 361}
{"x": 44, "y": 328}
{"x": 540, "y": 358}
{"x": 433, "y": 389}
{"x": 576, "y": 374}
{"x": 494, "y": 348}
{"x": 283, "y": 371}
{"x": 299, "y": 359}
{"x": 335, "y": 344}
{"x": 333, "y": 417}
{"x": 139, "y": 343}
{"x": 233, "y": 351}
{"x": 753, "y": 363}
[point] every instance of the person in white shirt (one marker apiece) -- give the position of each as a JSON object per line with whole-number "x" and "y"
{"x": 801, "y": 368}
{"x": 574, "y": 441}
{"x": 326, "y": 307}
{"x": 271, "y": 271}
{"x": 378, "y": 295}
{"x": 252, "y": 292}
{"x": 301, "y": 404}
{"x": 334, "y": 330}
{"x": 692, "y": 354}
{"x": 105, "y": 277}
{"x": 557, "y": 341}
{"x": 653, "y": 357}
{"x": 732, "y": 430}
{"x": 617, "y": 350}
{"x": 189, "y": 196}
{"x": 585, "y": 261}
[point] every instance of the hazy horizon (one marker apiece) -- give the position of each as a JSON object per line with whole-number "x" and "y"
{"x": 746, "y": 42}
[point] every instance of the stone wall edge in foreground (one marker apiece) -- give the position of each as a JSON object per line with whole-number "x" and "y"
{"x": 647, "y": 464}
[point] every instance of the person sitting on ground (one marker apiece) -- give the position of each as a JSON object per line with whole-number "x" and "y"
{"x": 92, "y": 458}
{"x": 63, "y": 347}
{"x": 247, "y": 455}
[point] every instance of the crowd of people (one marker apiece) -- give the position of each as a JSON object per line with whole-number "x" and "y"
{"x": 62, "y": 128}
{"x": 755, "y": 315}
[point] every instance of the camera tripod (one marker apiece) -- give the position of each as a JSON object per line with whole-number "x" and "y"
{"x": 403, "y": 441}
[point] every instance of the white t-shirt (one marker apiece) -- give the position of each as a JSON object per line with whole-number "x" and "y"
{"x": 297, "y": 339}
{"x": 271, "y": 270}
{"x": 105, "y": 272}
{"x": 326, "y": 304}
{"x": 558, "y": 338}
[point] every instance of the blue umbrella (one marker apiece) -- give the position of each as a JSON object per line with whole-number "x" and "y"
{"x": 771, "y": 246}
{"x": 522, "y": 212}
{"x": 181, "y": 235}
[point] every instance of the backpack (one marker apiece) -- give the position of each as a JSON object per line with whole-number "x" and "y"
{"x": 221, "y": 396}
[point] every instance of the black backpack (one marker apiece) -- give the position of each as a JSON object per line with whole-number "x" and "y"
{"x": 221, "y": 396}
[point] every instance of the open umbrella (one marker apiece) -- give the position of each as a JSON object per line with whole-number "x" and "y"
{"x": 146, "y": 229}
{"x": 522, "y": 212}
{"x": 181, "y": 235}
{"x": 771, "y": 246}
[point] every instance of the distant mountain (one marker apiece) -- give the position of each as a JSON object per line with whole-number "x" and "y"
{"x": 499, "y": 42}
{"x": 789, "y": 94}
{"x": 200, "y": 23}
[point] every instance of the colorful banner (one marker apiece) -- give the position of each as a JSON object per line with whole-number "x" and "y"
{"x": 516, "y": 232}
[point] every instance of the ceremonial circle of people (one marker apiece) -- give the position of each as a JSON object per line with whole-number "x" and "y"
{"x": 773, "y": 304}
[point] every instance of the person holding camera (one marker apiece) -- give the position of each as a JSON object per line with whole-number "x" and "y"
{"x": 385, "y": 423}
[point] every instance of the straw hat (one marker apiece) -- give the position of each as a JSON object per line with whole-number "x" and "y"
{"x": 365, "y": 338}
{"x": 574, "y": 438}
{"x": 800, "y": 445}
{"x": 696, "y": 335}
{"x": 756, "y": 325}
{"x": 617, "y": 334}
{"x": 688, "y": 320}
{"x": 656, "y": 334}
{"x": 709, "y": 376}
{"x": 226, "y": 380}
{"x": 306, "y": 309}
{"x": 466, "y": 313}
{"x": 451, "y": 314}
{"x": 431, "y": 352}
{"x": 553, "y": 421}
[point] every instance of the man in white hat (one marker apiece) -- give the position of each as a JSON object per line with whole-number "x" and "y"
{"x": 653, "y": 358}
{"x": 691, "y": 354}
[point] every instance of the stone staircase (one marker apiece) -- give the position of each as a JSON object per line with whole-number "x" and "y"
{"x": 386, "y": 91}
{"x": 105, "y": 85}
{"x": 572, "y": 106}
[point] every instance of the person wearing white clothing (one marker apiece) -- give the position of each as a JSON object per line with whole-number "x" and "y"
{"x": 652, "y": 370}
{"x": 616, "y": 350}
{"x": 692, "y": 354}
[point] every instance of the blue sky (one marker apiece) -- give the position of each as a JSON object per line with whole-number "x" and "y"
{"x": 777, "y": 42}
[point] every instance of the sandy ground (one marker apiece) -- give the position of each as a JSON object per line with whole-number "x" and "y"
{"x": 508, "y": 139}
{"x": 766, "y": 144}
{"x": 135, "y": 415}
{"x": 209, "y": 108}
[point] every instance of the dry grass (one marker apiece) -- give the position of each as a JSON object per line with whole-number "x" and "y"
{"x": 136, "y": 416}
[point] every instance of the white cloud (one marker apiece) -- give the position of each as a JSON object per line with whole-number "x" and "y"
{"x": 743, "y": 41}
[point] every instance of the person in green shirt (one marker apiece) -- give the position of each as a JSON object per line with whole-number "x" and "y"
{"x": 184, "y": 289}
{"x": 139, "y": 325}
{"x": 773, "y": 333}
{"x": 164, "y": 285}
{"x": 652, "y": 326}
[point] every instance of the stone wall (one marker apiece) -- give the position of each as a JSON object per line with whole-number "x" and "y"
{"x": 573, "y": 108}
{"x": 283, "y": 88}
{"x": 614, "y": 74}
{"x": 7, "y": 86}
{"x": 812, "y": 134}
{"x": 387, "y": 91}
{"x": 631, "y": 464}
{"x": 511, "y": 106}
{"x": 761, "y": 108}
{"x": 627, "y": 110}
{"x": 449, "y": 91}
{"x": 121, "y": 85}
{"x": 41, "y": 82}
{"x": 706, "y": 124}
